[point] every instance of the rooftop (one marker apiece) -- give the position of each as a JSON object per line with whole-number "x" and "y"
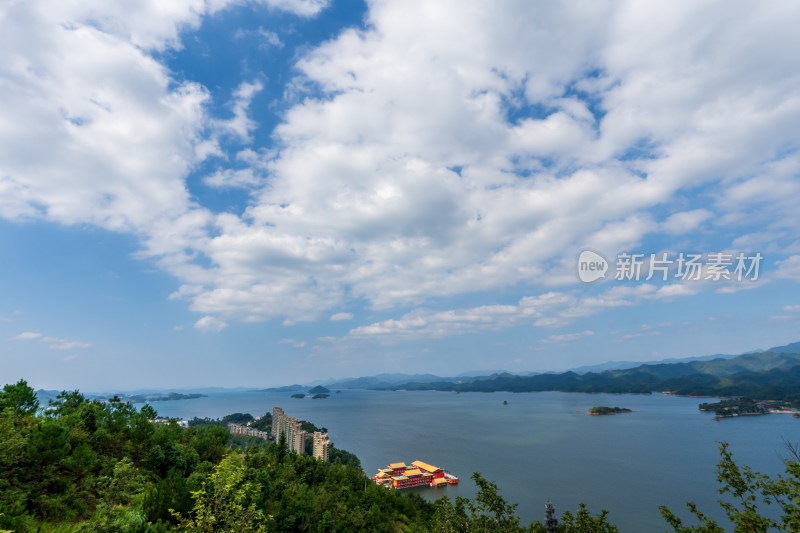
{"x": 426, "y": 466}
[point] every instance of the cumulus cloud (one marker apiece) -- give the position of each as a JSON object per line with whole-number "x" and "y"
{"x": 684, "y": 221}
{"x": 789, "y": 268}
{"x": 341, "y": 316}
{"x": 240, "y": 124}
{"x": 549, "y": 310}
{"x": 210, "y": 323}
{"x": 445, "y": 148}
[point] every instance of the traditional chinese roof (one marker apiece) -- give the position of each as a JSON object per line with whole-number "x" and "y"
{"x": 426, "y": 466}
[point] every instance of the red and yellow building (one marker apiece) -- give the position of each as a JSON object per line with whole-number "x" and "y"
{"x": 401, "y": 476}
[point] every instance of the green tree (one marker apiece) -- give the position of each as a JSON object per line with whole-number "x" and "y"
{"x": 583, "y": 521}
{"x": 19, "y": 397}
{"x": 226, "y": 503}
{"x": 167, "y": 495}
{"x": 751, "y": 492}
{"x": 48, "y": 443}
{"x": 487, "y": 512}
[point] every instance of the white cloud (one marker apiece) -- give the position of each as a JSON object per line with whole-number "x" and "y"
{"x": 61, "y": 344}
{"x": 789, "y": 268}
{"x": 448, "y": 148}
{"x": 792, "y": 308}
{"x": 266, "y": 38}
{"x": 240, "y": 124}
{"x": 210, "y": 323}
{"x": 425, "y": 323}
{"x": 549, "y": 310}
{"x": 299, "y": 7}
{"x": 55, "y": 343}
{"x": 568, "y": 337}
{"x": 27, "y": 335}
{"x": 294, "y": 343}
{"x": 679, "y": 223}
{"x": 342, "y": 316}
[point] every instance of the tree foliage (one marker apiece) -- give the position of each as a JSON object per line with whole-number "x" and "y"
{"x": 749, "y": 494}
{"x": 19, "y": 397}
{"x": 90, "y": 465}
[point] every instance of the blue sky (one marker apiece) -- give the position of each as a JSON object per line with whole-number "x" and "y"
{"x": 229, "y": 193}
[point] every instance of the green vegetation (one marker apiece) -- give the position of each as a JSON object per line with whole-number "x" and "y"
{"x": 87, "y": 465}
{"x": 142, "y": 398}
{"x": 750, "y": 492}
{"x": 299, "y": 395}
{"x": 772, "y": 376}
{"x": 489, "y": 512}
{"x": 319, "y": 396}
{"x": 601, "y": 410}
{"x": 91, "y": 466}
{"x": 319, "y": 389}
{"x": 238, "y": 418}
{"x": 746, "y": 406}
{"x": 264, "y": 423}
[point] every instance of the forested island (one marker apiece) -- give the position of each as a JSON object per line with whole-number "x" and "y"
{"x": 602, "y": 410}
{"x": 142, "y": 398}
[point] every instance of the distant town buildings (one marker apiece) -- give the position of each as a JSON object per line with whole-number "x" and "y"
{"x": 245, "y": 431}
{"x": 296, "y": 437}
{"x": 164, "y": 420}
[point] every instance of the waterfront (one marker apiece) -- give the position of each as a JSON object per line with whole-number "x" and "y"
{"x": 537, "y": 447}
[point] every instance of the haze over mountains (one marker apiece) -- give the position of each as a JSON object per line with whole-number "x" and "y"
{"x": 749, "y": 373}
{"x": 719, "y": 374}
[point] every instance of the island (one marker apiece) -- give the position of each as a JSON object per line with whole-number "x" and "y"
{"x": 299, "y": 395}
{"x": 143, "y": 398}
{"x": 602, "y": 410}
{"x": 319, "y": 389}
{"x": 320, "y": 396}
{"x": 731, "y": 407}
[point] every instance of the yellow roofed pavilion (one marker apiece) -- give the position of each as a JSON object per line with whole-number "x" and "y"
{"x": 426, "y": 467}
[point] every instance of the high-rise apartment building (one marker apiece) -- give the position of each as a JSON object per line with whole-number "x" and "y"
{"x": 291, "y": 428}
{"x": 321, "y": 446}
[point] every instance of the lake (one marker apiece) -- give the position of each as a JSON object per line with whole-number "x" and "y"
{"x": 538, "y": 447}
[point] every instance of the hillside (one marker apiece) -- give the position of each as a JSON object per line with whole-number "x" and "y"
{"x": 767, "y": 375}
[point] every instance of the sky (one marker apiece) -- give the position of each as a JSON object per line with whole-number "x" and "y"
{"x": 264, "y": 192}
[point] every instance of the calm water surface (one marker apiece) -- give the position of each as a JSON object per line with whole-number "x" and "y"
{"x": 538, "y": 447}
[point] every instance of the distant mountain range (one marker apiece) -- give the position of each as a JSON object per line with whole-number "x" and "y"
{"x": 774, "y": 374}
{"x": 769, "y": 374}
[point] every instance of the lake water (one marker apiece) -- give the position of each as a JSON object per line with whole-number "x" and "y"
{"x": 538, "y": 447}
